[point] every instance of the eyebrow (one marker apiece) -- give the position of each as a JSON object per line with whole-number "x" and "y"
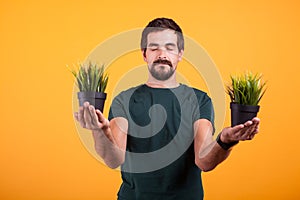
{"x": 171, "y": 44}
{"x": 156, "y": 45}
{"x": 153, "y": 45}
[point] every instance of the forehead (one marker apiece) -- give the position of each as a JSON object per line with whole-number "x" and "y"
{"x": 162, "y": 37}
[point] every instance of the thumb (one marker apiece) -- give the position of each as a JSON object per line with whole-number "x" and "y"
{"x": 100, "y": 115}
{"x": 102, "y": 120}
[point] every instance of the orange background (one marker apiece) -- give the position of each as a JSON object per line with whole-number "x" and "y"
{"x": 41, "y": 154}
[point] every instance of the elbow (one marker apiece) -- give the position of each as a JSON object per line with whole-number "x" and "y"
{"x": 112, "y": 165}
{"x": 111, "y": 159}
{"x": 115, "y": 163}
{"x": 204, "y": 165}
{"x": 207, "y": 169}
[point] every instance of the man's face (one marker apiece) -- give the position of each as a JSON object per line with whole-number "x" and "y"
{"x": 162, "y": 55}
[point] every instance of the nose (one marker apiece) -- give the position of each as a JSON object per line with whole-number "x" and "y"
{"x": 162, "y": 54}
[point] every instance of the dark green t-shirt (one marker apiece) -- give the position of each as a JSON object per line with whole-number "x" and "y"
{"x": 160, "y": 160}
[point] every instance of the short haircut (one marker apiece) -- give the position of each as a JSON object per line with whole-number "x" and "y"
{"x": 160, "y": 24}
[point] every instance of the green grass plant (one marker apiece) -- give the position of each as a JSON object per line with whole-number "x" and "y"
{"x": 246, "y": 89}
{"x": 90, "y": 77}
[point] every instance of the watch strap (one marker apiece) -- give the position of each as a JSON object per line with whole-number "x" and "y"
{"x": 225, "y": 146}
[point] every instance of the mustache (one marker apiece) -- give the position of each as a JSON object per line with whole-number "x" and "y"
{"x": 162, "y": 61}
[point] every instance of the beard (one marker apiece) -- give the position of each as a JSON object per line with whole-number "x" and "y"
{"x": 158, "y": 69}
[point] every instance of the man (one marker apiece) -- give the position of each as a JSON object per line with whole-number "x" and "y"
{"x": 161, "y": 132}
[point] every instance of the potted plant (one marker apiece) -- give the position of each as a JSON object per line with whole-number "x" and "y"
{"x": 91, "y": 81}
{"x": 245, "y": 93}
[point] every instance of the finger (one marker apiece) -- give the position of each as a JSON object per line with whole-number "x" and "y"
{"x": 81, "y": 117}
{"x": 248, "y": 123}
{"x": 103, "y": 121}
{"x": 235, "y": 130}
{"x": 100, "y": 115}
{"x": 242, "y": 133}
{"x": 254, "y": 132}
{"x": 250, "y": 132}
{"x": 94, "y": 117}
{"x": 86, "y": 104}
{"x": 247, "y": 130}
{"x": 256, "y": 120}
{"x": 76, "y": 116}
{"x": 87, "y": 116}
{"x": 250, "y": 137}
{"x": 255, "y": 125}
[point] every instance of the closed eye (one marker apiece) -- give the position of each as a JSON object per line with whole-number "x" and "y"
{"x": 153, "y": 46}
{"x": 170, "y": 47}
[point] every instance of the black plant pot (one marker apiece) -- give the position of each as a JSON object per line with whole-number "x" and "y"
{"x": 242, "y": 113}
{"x": 97, "y": 99}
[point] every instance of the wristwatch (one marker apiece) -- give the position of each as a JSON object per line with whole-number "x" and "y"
{"x": 225, "y": 146}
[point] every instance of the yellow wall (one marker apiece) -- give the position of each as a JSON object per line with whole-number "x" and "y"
{"x": 41, "y": 154}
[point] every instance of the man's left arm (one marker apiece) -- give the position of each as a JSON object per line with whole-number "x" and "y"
{"x": 209, "y": 152}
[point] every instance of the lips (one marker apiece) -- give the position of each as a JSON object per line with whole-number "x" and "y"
{"x": 164, "y": 62}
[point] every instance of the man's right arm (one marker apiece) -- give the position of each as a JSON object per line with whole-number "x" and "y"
{"x": 110, "y": 137}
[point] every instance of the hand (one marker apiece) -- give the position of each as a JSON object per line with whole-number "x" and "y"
{"x": 90, "y": 118}
{"x": 241, "y": 132}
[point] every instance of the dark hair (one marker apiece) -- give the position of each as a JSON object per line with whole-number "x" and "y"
{"x": 160, "y": 24}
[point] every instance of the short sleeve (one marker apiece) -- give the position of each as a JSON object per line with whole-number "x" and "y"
{"x": 205, "y": 106}
{"x": 117, "y": 108}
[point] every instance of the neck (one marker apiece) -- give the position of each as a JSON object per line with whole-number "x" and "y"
{"x": 162, "y": 84}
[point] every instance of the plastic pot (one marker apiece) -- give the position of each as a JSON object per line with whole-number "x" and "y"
{"x": 242, "y": 113}
{"x": 97, "y": 99}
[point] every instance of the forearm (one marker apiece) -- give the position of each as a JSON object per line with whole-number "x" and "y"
{"x": 109, "y": 136}
{"x": 107, "y": 148}
{"x": 211, "y": 156}
{"x": 209, "y": 153}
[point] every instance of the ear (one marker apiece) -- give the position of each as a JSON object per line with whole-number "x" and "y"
{"x": 144, "y": 55}
{"x": 180, "y": 54}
